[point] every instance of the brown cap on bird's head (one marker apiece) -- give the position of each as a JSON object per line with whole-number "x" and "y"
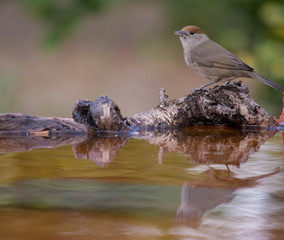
{"x": 189, "y": 30}
{"x": 193, "y": 29}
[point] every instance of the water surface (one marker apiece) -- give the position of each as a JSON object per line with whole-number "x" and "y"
{"x": 193, "y": 184}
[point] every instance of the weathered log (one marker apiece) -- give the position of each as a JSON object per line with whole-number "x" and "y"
{"x": 101, "y": 114}
{"x": 24, "y": 124}
{"x": 228, "y": 105}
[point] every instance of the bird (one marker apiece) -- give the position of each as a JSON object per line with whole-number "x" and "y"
{"x": 212, "y": 61}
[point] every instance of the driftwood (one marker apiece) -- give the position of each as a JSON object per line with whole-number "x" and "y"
{"x": 228, "y": 105}
{"x": 26, "y": 125}
{"x": 223, "y": 105}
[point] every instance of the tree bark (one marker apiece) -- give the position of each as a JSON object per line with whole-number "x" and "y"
{"x": 227, "y": 105}
{"x": 24, "y": 124}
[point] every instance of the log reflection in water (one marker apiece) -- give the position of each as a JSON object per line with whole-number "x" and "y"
{"x": 200, "y": 196}
{"x": 100, "y": 150}
{"x": 204, "y": 145}
{"x": 23, "y": 143}
{"x": 209, "y": 145}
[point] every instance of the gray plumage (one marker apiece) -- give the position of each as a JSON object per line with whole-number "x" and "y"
{"x": 214, "y": 62}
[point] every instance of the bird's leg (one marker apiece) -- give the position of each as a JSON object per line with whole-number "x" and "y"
{"x": 227, "y": 166}
{"x": 203, "y": 86}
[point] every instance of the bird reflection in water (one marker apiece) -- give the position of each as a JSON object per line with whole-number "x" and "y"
{"x": 200, "y": 196}
{"x": 227, "y": 147}
{"x": 207, "y": 145}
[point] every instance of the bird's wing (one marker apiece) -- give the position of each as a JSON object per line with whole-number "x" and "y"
{"x": 217, "y": 57}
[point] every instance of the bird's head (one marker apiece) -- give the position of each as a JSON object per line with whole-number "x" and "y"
{"x": 191, "y": 36}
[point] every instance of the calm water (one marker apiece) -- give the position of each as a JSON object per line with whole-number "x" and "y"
{"x": 200, "y": 183}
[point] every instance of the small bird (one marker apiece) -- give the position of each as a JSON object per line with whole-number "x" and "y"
{"x": 214, "y": 62}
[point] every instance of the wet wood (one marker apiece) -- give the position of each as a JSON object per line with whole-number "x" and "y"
{"x": 228, "y": 105}
{"x": 24, "y": 124}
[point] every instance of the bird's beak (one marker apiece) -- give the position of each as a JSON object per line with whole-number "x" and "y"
{"x": 180, "y": 33}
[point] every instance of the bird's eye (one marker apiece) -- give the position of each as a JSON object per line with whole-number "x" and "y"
{"x": 191, "y": 33}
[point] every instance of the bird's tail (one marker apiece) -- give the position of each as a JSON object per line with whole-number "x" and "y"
{"x": 267, "y": 81}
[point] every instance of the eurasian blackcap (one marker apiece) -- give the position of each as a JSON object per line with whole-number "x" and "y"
{"x": 214, "y": 62}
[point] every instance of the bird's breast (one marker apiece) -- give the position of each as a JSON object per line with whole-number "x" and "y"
{"x": 187, "y": 58}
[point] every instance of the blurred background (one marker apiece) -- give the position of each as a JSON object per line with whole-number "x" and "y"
{"x": 55, "y": 52}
